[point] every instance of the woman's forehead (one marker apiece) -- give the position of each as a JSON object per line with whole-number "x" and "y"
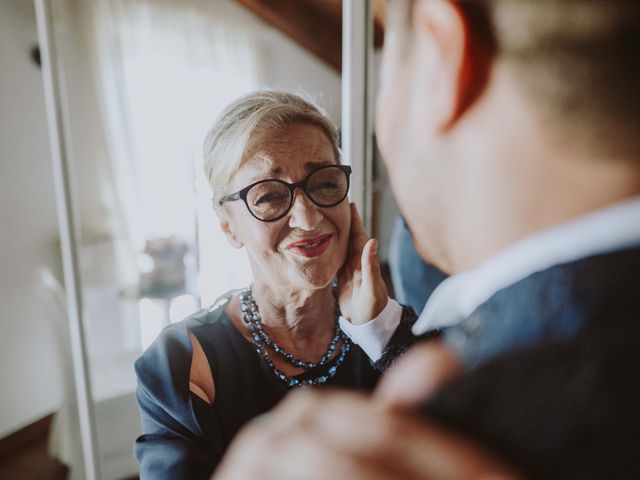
{"x": 290, "y": 140}
{"x": 257, "y": 169}
{"x": 278, "y": 154}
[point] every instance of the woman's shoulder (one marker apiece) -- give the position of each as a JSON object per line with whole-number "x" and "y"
{"x": 163, "y": 370}
{"x": 170, "y": 353}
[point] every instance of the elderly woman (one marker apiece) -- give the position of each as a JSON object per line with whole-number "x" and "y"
{"x": 280, "y": 192}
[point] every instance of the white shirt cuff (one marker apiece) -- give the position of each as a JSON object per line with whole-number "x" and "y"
{"x": 374, "y": 335}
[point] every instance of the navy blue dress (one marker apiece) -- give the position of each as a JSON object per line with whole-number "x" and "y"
{"x": 185, "y": 437}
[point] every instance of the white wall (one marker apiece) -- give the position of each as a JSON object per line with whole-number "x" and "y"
{"x": 285, "y": 64}
{"x": 288, "y": 66}
{"x": 28, "y": 375}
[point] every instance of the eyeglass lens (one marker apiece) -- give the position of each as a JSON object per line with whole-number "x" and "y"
{"x": 270, "y": 199}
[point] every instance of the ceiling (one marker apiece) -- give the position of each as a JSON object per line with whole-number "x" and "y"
{"x": 314, "y": 24}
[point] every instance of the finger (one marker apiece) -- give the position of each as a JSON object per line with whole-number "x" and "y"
{"x": 302, "y": 454}
{"x": 418, "y": 375}
{"x": 284, "y": 445}
{"x": 370, "y": 263}
{"x": 399, "y": 440}
{"x": 358, "y": 233}
{"x": 357, "y": 278}
{"x": 298, "y": 404}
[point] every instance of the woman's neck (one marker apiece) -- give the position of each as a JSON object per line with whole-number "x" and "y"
{"x": 300, "y": 316}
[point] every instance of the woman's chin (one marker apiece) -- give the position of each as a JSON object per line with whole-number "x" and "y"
{"x": 315, "y": 280}
{"x": 315, "y": 272}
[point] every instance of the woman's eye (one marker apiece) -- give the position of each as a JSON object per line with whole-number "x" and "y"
{"x": 325, "y": 186}
{"x": 269, "y": 197}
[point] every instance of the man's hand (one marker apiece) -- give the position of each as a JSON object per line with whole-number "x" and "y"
{"x": 418, "y": 375}
{"x": 361, "y": 291}
{"x": 336, "y": 435}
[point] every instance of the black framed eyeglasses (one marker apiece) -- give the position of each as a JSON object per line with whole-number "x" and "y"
{"x": 270, "y": 200}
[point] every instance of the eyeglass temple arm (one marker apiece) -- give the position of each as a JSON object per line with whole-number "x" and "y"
{"x": 229, "y": 198}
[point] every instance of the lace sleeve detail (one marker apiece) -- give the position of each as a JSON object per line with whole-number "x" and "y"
{"x": 402, "y": 340}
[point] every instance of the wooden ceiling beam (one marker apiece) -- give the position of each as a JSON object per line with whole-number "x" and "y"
{"x": 313, "y": 29}
{"x": 316, "y": 25}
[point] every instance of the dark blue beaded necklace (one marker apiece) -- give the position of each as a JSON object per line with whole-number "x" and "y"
{"x": 263, "y": 343}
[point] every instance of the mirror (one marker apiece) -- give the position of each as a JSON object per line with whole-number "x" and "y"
{"x": 140, "y": 83}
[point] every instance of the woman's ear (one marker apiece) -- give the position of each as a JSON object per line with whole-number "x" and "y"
{"x": 228, "y": 228}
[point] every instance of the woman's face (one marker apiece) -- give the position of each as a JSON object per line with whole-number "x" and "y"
{"x": 306, "y": 248}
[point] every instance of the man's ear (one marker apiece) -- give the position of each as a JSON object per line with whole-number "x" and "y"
{"x": 458, "y": 62}
{"x": 227, "y": 226}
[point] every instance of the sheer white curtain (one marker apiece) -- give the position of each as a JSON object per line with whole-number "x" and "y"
{"x": 161, "y": 71}
{"x": 164, "y": 70}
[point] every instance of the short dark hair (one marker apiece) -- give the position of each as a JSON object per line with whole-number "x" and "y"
{"x": 579, "y": 58}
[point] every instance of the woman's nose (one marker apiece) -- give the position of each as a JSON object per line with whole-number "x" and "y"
{"x": 304, "y": 214}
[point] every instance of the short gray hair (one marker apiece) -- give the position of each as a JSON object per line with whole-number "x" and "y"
{"x": 228, "y": 139}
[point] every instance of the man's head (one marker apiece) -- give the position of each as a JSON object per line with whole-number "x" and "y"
{"x": 498, "y": 118}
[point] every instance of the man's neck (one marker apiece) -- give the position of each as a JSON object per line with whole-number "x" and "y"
{"x": 521, "y": 176}
{"x": 514, "y": 212}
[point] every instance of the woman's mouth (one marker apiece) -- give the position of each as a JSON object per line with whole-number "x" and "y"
{"x": 313, "y": 247}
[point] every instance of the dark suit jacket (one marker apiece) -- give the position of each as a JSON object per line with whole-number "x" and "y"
{"x": 554, "y": 379}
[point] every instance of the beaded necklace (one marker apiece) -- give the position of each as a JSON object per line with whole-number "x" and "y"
{"x": 263, "y": 343}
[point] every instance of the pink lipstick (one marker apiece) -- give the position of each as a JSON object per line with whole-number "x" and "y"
{"x": 312, "y": 247}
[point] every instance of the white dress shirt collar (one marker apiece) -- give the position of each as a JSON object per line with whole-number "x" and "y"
{"x": 613, "y": 228}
